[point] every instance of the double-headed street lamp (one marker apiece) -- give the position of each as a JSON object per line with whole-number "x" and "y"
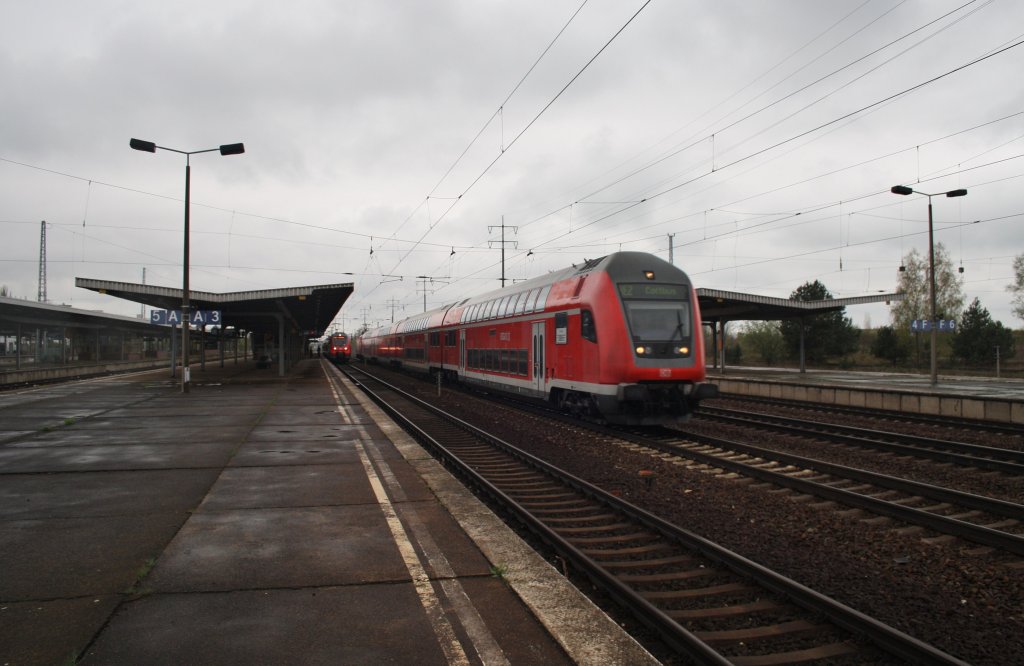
{"x": 226, "y": 149}
{"x": 902, "y": 189}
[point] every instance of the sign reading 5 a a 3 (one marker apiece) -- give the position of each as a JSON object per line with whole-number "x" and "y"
{"x": 196, "y": 317}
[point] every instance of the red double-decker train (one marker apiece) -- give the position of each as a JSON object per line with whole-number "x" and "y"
{"x": 617, "y": 339}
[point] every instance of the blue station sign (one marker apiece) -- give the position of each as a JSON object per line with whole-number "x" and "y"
{"x": 925, "y": 326}
{"x": 196, "y": 317}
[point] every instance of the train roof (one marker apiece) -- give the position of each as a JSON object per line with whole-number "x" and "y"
{"x": 619, "y": 265}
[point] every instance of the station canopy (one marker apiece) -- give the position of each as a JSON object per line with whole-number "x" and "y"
{"x": 718, "y": 306}
{"x": 306, "y": 311}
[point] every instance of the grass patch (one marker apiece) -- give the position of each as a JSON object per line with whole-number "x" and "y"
{"x": 140, "y": 575}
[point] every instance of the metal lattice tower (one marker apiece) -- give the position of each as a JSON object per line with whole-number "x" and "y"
{"x": 42, "y": 263}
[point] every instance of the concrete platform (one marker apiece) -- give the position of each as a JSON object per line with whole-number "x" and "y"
{"x": 982, "y": 398}
{"x": 259, "y": 519}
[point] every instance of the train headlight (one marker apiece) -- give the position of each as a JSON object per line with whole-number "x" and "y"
{"x": 641, "y": 350}
{"x": 685, "y": 351}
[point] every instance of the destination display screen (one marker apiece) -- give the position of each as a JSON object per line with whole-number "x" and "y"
{"x": 656, "y": 292}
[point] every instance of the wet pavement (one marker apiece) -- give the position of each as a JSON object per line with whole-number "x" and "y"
{"x": 259, "y": 519}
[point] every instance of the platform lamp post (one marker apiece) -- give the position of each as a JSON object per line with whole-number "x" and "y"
{"x": 902, "y": 189}
{"x": 226, "y": 149}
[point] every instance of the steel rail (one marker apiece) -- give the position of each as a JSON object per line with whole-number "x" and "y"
{"x": 968, "y": 455}
{"x": 891, "y": 640}
{"x": 976, "y": 533}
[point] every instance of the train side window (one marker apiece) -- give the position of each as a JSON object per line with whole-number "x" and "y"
{"x": 542, "y": 299}
{"x": 502, "y": 306}
{"x": 523, "y": 302}
{"x": 521, "y": 305}
{"x": 531, "y": 300}
{"x": 588, "y": 330}
{"x": 512, "y": 304}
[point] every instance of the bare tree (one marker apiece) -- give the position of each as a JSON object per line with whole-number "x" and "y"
{"x": 1018, "y": 286}
{"x": 913, "y": 284}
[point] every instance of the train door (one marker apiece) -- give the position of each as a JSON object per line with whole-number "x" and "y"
{"x": 538, "y": 355}
{"x": 462, "y": 352}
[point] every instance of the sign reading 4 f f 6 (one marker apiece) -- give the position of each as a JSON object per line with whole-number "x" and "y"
{"x": 196, "y": 317}
{"x": 925, "y": 325}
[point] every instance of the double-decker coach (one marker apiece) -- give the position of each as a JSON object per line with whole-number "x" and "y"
{"x": 617, "y": 338}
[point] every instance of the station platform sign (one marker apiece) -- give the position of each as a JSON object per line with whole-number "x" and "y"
{"x": 925, "y": 326}
{"x": 196, "y": 317}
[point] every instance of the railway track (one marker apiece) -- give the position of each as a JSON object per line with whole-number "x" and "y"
{"x": 708, "y": 603}
{"x": 982, "y": 520}
{"x": 996, "y": 459}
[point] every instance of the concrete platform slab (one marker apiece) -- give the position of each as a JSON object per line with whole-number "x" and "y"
{"x": 322, "y": 414}
{"x": 51, "y": 632}
{"x": 76, "y": 557}
{"x": 327, "y": 452}
{"x": 99, "y": 494}
{"x": 276, "y": 548}
{"x": 368, "y": 625}
{"x": 288, "y": 486}
{"x": 303, "y": 433}
{"x": 158, "y": 431}
{"x": 22, "y": 459}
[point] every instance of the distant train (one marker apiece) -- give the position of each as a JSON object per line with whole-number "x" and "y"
{"x": 338, "y": 348}
{"x": 616, "y": 339}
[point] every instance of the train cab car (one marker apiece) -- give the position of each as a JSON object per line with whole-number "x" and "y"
{"x": 338, "y": 348}
{"x": 616, "y": 339}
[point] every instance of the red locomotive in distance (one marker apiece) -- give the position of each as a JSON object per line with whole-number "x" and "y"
{"x": 338, "y": 348}
{"x": 616, "y": 339}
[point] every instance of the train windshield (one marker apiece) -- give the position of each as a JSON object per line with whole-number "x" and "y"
{"x": 657, "y": 313}
{"x": 658, "y": 321}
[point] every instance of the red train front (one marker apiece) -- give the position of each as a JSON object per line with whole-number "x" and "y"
{"x": 617, "y": 338}
{"x": 339, "y": 348}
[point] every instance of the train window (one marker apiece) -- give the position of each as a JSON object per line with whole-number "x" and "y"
{"x": 658, "y": 320}
{"x": 492, "y": 309}
{"x": 523, "y": 357}
{"x": 531, "y": 299}
{"x": 542, "y": 299}
{"x": 435, "y": 339}
{"x": 513, "y": 304}
{"x": 503, "y": 308}
{"x": 588, "y": 330}
{"x": 521, "y": 306}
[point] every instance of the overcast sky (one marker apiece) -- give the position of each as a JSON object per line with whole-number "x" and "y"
{"x": 390, "y": 139}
